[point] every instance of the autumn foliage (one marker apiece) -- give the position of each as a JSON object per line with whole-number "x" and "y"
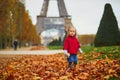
{"x": 52, "y": 67}
{"x": 39, "y": 48}
{"x": 86, "y": 39}
{"x": 15, "y": 22}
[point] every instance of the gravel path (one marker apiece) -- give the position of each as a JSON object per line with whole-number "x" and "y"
{"x": 34, "y": 52}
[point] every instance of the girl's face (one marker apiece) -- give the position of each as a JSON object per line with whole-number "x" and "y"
{"x": 72, "y": 31}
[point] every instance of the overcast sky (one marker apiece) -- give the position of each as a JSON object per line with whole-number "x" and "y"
{"x": 86, "y": 14}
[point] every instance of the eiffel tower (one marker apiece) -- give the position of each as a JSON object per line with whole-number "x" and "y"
{"x": 60, "y": 23}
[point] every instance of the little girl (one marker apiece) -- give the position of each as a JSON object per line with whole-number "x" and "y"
{"x": 71, "y": 47}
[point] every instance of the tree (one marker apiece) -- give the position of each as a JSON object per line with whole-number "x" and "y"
{"x": 4, "y": 17}
{"x": 15, "y": 23}
{"x": 108, "y": 33}
{"x": 11, "y": 31}
{"x": 86, "y": 39}
{"x": 56, "y": 42}
{"x": 29, "y": 33}
{"x": 8, "y": 18}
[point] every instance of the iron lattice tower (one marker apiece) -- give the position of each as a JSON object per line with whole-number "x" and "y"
{"x": 63, "y": 14}
{"x": 60, "y": 23}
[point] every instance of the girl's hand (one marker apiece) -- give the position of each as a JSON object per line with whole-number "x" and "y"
{"x": 80, "y": 50}
{"x": 68, "y": 55}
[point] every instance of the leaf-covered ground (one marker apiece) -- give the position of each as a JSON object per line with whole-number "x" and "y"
{"x": 52, "y": 67}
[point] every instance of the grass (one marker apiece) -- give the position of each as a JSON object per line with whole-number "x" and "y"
{"x": 114, "y": 79}
{"x": 113, "y": 52}
{"x": 54, "y": 47}
{"x": 87, "y": 49}
{"x": 91, "y": 50}
{"x": 108, "y": 49}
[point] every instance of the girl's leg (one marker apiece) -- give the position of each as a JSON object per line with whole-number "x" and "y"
{"x": 70, "y": 65}
{"x": 75, "y": 63}
{"x": 75, "y": 60}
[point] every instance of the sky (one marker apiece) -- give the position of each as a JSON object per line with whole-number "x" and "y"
{"x": 86, "y": 14}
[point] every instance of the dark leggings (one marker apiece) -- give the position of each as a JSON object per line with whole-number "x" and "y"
{"x": 70, "y": 64}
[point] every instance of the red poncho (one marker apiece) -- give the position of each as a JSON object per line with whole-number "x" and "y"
{"x": 71, "y": 44}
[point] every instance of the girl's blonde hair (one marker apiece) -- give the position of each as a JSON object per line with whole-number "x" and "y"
{"x": 70, "y": 28}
